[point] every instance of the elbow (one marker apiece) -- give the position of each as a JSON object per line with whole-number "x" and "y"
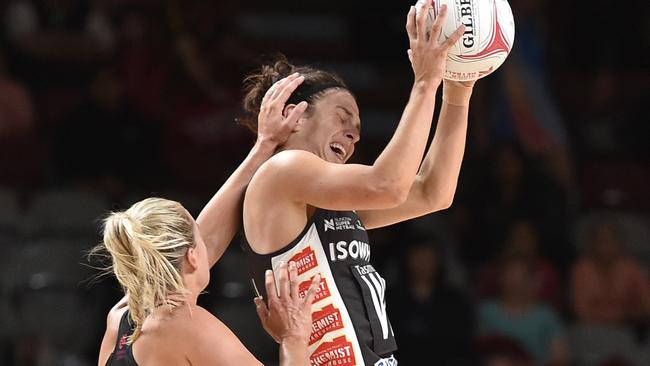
{"x": 445, "y": 202}
{"x": 437, "y": 200}
{"x": 440, "y": 204}
{"x": 398, "y": 195}
{"x": 393, "y": 193}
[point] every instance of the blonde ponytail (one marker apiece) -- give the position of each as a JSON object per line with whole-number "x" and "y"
{"x": 147, "y": 244}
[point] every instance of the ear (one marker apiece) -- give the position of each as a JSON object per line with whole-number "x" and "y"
{"x": 288, "y": 109}
{"x": 192, "y": 258}
{"x": 286, "y": 112}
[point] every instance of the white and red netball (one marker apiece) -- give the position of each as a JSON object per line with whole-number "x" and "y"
{"x": 487, "y": 41}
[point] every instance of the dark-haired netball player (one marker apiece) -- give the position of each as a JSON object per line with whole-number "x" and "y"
{"x": 306, "y": 205}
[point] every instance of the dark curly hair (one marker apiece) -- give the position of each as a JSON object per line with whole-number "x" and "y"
{"x": 257, "y": 83}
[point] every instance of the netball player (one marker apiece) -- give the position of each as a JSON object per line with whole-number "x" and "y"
{"x": 161, "y": 261}
{"x": 160, "y": 257}
{"x": 306, "y": 205}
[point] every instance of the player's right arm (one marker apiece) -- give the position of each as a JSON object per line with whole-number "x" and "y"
{"x": 303, "y": 177}
{"x": 221, "y": 217}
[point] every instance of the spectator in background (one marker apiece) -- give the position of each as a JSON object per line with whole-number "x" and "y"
{"x": 515, "y": 185}
{"x": 17, "y": 131}
{"x": 55, "y": 39}
{"x": 144, "y": 58}
{"x": 16, "y": 108}
{"x": 607, "y": 286}
{"x": 523, "y": 242}
{"x": 59, "y": 30}
{"x": 506, "y": 192}
{"x": 518, "y": 316}
{"x": 105, "y": 142}
{"x": 433, "y": 320}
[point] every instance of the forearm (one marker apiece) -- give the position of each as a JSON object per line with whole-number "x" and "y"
{"x": 403, "y": 154}
{"x": 221, "y": 217}
{"x": 441, "y": 166}
{"x": 293, "y": 352}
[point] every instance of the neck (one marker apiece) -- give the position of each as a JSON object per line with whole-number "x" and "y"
{"x": 300, "y": 145}
{"x": 175, "y": 299}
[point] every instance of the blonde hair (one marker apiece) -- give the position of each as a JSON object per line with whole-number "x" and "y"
{"x": 147, "y": 244}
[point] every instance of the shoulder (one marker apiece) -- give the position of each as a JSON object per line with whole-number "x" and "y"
{"x": 116, "y": 313}
{"x": 286, "y": 167}
{"x": 291, "y": 158}
{"x": 205, "y": 327}
{"x": 212, "y": 342}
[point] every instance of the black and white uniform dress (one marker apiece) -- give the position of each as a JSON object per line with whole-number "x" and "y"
{"x": 349, "y": 321}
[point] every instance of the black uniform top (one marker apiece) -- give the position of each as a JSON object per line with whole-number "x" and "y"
{"x": 123, "y": 353}
{"x": 349, "y": 321}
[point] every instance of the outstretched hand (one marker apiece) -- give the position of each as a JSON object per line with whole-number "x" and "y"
{"x": 427, "y": 54}
{"x": 287, "y": 315}
{"x": 273, "y": 126}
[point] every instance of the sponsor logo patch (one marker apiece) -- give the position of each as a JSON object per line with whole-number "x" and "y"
{"x": 326, "y": 320}
{"x": 305, "y": 260}
{"x": 338, "y": 352}
{"x": 342, "y": 223}
{"x": 322, "y": 291}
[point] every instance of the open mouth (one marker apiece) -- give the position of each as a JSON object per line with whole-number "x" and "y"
{"x": 339, "y": 150}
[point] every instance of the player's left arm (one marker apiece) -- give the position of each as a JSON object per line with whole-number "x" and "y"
{"x": 112, "y": 327}
{"x": 435, "y": 184}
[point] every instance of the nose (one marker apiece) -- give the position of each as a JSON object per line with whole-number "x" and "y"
{"x": 352, "y": 135}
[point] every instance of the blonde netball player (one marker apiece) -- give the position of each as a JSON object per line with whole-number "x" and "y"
{"x": 161, "y": 258}
{"x": 161, "y": 261}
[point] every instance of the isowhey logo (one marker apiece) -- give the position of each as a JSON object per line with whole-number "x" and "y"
{"x": 305, "y": 260}
{"x": 336, "y": 353}
{"x": 353, "y": 250}
{"x": 322, "y": 291}
{"x": 326, "y": 320}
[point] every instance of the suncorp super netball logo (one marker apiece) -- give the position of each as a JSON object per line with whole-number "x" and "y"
{"x": 305, "y": 260}
{"x": 322, "y": 291}
{"x": 335, "y": 353}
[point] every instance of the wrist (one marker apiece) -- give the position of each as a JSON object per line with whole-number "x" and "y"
{"x": 456, "y": 94}
{"x": 265, "y": 146}
{"x": 426, "y": 86}
{"x": 294, "y": 340}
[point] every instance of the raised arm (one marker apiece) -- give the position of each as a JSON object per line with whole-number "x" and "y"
{"x": 435, "y": 184}
{"x": 302, "y": 177}
{"x": 221, "y": 217}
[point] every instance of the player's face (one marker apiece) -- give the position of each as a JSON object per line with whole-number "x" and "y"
{"x": 332, "y": 129}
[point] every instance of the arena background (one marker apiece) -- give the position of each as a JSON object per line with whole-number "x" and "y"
{"x": 106, "y": 102}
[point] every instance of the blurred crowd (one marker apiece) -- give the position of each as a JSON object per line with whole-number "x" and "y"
{"x": 543, "y": 258}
